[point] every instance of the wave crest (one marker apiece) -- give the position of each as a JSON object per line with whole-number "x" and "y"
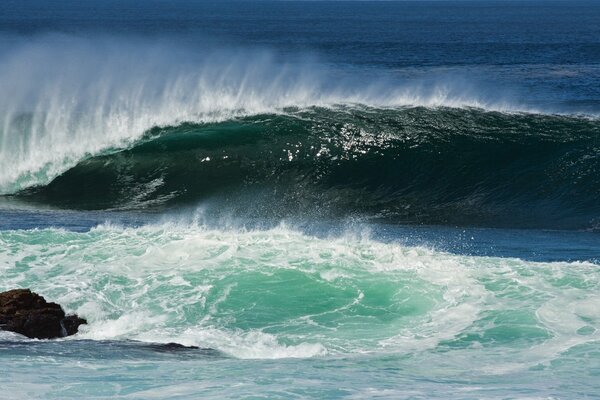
{"x": 72, "y": 98}
{"x": 442, "y": 166}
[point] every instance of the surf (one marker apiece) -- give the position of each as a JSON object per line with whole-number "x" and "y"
{"x": 76, "y": 97}
{"x": 281, "y": 293}
{"x": 420, "y": 165}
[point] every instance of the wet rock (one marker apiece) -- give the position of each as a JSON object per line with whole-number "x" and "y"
{"x": 25, "y": 312}
{"x": 168, "y": 347}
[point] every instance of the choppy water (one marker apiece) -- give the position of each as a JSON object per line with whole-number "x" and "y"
{"x": 392, "y": 317}
{"x": 328, "y": 199}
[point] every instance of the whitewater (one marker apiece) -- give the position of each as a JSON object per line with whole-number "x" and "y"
{"x": 204, "y": 287}
{"x": 283, "y": 294}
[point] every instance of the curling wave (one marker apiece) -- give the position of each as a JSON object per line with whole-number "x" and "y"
{"x": 75, "y": 97}
{"x": 443, "y": 166}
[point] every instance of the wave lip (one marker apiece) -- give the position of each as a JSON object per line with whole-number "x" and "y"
{"x": 74, "y": 98}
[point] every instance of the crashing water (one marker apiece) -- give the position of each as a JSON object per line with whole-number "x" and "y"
{"x": 72, "y": 98}
{"x": 389, "y": 165}
{"x": 281, "y": 294}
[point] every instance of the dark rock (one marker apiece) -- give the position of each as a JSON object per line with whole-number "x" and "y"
{"x": 29, "y": 314}
{"x": 71, "y": 324}
{"x": 175, "y": 346}
{"x": 171, "y": 347}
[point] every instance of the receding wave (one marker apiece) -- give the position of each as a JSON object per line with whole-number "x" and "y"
{"x": 410, "y": 165}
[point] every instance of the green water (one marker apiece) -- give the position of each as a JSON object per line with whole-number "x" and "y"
{"x": 350, "y": 310}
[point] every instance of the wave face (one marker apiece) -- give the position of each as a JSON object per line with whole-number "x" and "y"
{"x": 442, "y": 165}
{"x": 101, "y": 123}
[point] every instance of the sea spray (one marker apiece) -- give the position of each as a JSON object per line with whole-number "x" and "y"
{"x": 74, "y": 97}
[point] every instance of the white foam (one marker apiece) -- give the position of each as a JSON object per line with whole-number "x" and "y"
{"x": 173, "y": 283}
{"x": 252, "y": 344}
{"x": 12, "y": 336}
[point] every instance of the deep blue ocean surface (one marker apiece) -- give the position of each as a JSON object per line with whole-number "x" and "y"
{"x": 330, "y": 199}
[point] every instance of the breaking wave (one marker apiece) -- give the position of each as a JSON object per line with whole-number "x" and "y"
{"x": 99, "y": 123}
{"x": 443, "y": 166}
{"x": 74, "y": 97}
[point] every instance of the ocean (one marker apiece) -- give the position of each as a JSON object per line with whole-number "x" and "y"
{"x": 327, "y": 199}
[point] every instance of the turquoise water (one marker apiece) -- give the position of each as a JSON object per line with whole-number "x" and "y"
{"x": 281, "y": 313}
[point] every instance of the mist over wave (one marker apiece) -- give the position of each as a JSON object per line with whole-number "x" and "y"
{"x": 75, "y": 97}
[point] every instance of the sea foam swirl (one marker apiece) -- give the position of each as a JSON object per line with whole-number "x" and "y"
{"x": 280, "y": 293}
